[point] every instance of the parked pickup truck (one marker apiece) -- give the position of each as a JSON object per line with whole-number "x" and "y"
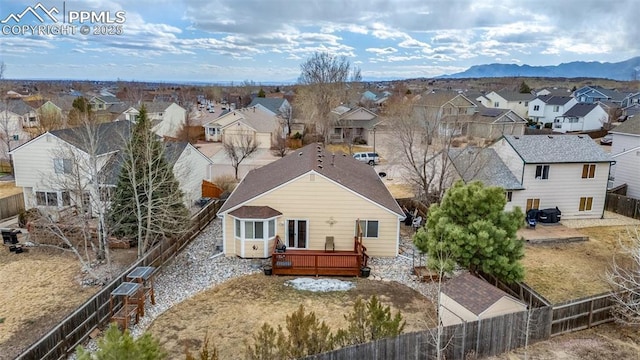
{"x": 370, "y": 158}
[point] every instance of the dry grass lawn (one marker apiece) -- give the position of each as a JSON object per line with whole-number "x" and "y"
{"x": 39, "y": 288}
{"x": 561, "y": 272}
{"x": 8, "y": 189}
{"x": 232, "y": 312}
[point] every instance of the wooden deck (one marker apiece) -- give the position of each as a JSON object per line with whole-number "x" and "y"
{"x": 320, "y": 262}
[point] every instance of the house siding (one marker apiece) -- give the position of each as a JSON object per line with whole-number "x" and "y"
{"x": 191, "y": 168}
{"x": 627, "y": 167}
{"x": 505, "y": 305}
{"x": 453, "y": 312}
{"x": 172, "y": 120}
{"x": 317, "y": 200}
{"x": 564, "y": 188}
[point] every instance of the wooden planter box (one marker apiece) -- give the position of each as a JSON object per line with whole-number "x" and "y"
{"x": 425, "y": 274}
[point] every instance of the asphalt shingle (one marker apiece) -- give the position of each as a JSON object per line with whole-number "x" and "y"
{"x": 540, "y": 149}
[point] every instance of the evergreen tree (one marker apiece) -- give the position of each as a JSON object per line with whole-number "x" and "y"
{"x": 121, "y": 346}
{"x": 470, "y": 228}
{"x": 524, "y": 88}
{"x": 261, "y": 93}
{"x": 147, "y": 204}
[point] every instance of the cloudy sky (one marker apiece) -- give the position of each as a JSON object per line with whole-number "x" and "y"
{"x": 267, "y": 40}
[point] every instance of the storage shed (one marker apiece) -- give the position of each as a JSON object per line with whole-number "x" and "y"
{"x": 468, "y": 298}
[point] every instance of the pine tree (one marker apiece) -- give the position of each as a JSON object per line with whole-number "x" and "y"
{"x": 524, "y": 88}
{"x": 147, "y": 204}
{"x": 118, "y": 345}
{"x": 261, "y": 93}
{"x": 471, "y": 229}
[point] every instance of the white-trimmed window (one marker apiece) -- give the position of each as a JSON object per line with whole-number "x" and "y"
{"x": 255, "y": 229}
{"x": 585, "y": 204}
{"x": 588, "y": 171}
{"x": 509, "y": 195}
{"x": 53, "y": 198}
{"x": 542, "y": 172}
{"x": 369, "y": 228}
{"x": 62, "y": 166}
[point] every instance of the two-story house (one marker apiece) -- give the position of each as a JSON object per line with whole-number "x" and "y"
{"x": 593, "y": 94}
{"x": 275, "y": 106}
{"x": 255, "y": 122}
{"x": 569, "y": 172}
{"x": 581, "y": 117}
{"x": 545, "y": 108}
{"x": 56, "y": 171}
{"x": 352, "y": 125}
{"x": 167, "y": 118}
{"x": 512, "y": 100}
{"x": 625, "y": 150}
{"x": 15, "y": 115}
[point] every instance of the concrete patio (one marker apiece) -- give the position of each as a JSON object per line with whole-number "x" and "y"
{"x": 551, "y": 233}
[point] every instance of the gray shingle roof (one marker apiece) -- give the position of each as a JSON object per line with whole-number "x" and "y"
{"x": 547, "y": 149}
{"x": 631, "y": 126}
{"x": 476, "y": 295}
{"x": 273, "y": 104}
{"x": 485, "y": 165}
{"x": 340, "y": 168}
{"x": 515, "y": 96}
{"x": 16, "y": 106}
{"x": 111, "y": 136}
{"x": 557, "y": 100}
{"x": 580, "y": 110}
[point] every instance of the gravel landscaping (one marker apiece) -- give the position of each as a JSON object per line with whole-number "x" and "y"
{"x": 202, "y": 266}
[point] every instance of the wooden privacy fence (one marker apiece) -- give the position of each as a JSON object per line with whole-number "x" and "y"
{"x": 581, "y": 314}
{"x": 11, "y": 205}
{"x": 486, "y": 337}
{"x": 623, "y": 205}
{"x": 75, "y": 328}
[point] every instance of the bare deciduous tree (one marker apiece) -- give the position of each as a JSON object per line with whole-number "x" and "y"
{"x": 624, "y": 278}
{"x": 324, "y": 77}
{"x": 421, "y": 140}
{"x": 239, "y": 146}
{"x": 78, "y": 220}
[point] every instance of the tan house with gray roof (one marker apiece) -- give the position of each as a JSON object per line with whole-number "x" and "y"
{"x": 256, "y": 122}
{"x": 513, "y": 100}
{"x": 303, "y": 198}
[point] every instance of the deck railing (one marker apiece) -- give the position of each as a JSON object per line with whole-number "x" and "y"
{"x": 320, "y": 262}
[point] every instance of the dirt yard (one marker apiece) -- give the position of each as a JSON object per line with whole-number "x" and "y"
{"x": 38, "y": 289}
{"x": 608, "y": 341}
{"x": 232, "y": 312}
{"x": 562, "y": 272}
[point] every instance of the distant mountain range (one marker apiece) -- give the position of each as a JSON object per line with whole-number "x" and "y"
{"x": 623, "y": 71}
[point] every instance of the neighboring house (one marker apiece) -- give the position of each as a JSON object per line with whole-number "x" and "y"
{"x": 593, "y": 94}
{"x": 513, "y": 100}
{"x": 374, "y": 100}
{"x": 565, "y": 171}
{"x": 484, "y": 164}
{"x": 631, "y": 111}
{"x": 625, "y": 150}
{"x": 581, "y": 117}
{"x": 43, "y": 165}
{"x": 99, "y": 103}
{"x": 275, "y": 106}
{"x": 352, "y": 125}
{"x": 486, "y": 123}
{"x": 303, "y": 198}
{"x": 466, "y": 298}
{"x": 14, "y": 113}
{"x": 545, "y": 108}
{"x": 631, "y": 99}
{"x": 167, "y": 118}
{"x": 255, "y": 122}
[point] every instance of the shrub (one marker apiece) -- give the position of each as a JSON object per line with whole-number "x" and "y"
{"x": 118, "y": 345}
{"x": 369, "y": 321}
{"x": 204, "y": 353}
{"x": 225, "y": 182}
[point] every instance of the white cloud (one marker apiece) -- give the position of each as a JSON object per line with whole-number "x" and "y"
{"x": 382, "y": 51}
